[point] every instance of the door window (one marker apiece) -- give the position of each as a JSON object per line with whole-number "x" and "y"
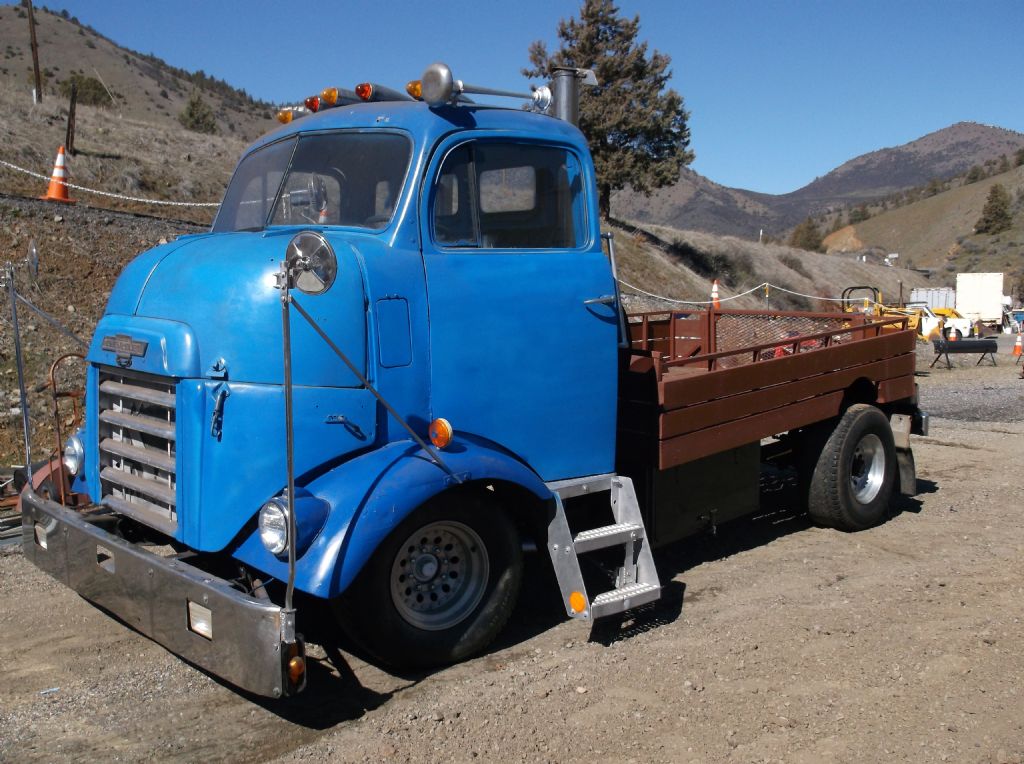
{"x": 509, "y": 196}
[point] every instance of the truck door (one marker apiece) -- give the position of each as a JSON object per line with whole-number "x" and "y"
{"x": 523, "y": 324}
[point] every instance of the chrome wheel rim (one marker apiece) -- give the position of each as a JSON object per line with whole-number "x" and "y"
{"x": 867, "y": 468}
{"x": 439, "y": 575}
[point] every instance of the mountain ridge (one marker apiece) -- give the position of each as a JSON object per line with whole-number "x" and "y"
{"x": 698, "y": 203}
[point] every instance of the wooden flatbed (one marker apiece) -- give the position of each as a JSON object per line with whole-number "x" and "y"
{"x": 699, "y": 383}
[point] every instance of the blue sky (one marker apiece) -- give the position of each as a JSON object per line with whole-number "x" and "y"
{"x": 779, "y": 92}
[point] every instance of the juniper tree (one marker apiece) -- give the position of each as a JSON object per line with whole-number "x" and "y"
{"x": 995, "y": 215}
{"x": 635, "y": 124}
{"x": 806, "y": 236}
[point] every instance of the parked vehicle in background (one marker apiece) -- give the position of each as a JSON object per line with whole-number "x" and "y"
{"x": 934, "y": 297}
{"x": 929, "y": 321}
{"x": 979, "y": 297}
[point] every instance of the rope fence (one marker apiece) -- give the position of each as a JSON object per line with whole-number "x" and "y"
{"x": 110, "y": 194}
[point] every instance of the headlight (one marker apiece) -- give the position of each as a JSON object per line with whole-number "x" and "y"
{"x": 274, "y": 526}
{"x": 74, "y": 455}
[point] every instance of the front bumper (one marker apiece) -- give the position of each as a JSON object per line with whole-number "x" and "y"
{"x": 252, "y": 640}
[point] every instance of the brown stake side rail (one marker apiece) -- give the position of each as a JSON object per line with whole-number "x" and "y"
{"x": 684, "y": 407}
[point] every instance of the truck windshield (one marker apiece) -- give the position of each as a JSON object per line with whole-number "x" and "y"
{"x": 341, "y": 178}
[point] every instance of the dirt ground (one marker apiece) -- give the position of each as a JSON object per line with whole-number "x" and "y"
{"x": 775, "y": 641}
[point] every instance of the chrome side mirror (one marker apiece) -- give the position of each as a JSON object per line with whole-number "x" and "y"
{"x": 312, "y": 262}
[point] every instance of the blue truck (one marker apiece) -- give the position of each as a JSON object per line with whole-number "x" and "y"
{"x": 396, "y": 362}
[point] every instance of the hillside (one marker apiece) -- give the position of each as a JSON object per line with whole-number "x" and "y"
{"x": 144, "y": 87}
{"x": 682, "y": 264}
{"x": 938, "y": 232}
{"x": 699, "y": 204}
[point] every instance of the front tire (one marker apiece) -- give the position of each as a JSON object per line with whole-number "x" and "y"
{"x": 855, "y": 474}
{"x": 440, "y": 588}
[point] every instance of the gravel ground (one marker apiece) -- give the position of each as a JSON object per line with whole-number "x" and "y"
{"x": 775, "y": 642}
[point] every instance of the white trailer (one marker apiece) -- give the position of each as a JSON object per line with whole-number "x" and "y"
{"x": 979, "y": 297}
{"x": 934, "y": 297}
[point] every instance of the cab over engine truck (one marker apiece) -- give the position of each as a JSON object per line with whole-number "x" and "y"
{"x": 399, "y": 356}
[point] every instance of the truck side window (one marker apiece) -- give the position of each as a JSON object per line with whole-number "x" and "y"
{"x": 509, "y": 196}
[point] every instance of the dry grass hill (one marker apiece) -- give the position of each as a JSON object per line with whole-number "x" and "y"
{"x": 698, "y": 203}
{"x": 143, "y": 87}
{"x": 938, "y": 232}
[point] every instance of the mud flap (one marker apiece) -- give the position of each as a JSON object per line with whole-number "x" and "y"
{"x": 908, "y": 472}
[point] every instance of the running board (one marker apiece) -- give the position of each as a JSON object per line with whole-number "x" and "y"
{"x": 636, "y": 580}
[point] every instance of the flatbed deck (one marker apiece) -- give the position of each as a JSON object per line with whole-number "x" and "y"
{"x": 700, "y": 383}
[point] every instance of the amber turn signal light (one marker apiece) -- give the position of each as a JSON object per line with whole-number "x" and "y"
{"x": 285, "y": 116}
{"x": 415, "y": 89}
{"x": 329, "y": 96}
{"x": 577, "y": 602}
{"x": 296, "y": 668}
{"x": 440, "y": 432}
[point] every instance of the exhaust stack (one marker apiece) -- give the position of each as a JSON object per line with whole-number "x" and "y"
{"x": 565, "y": 91}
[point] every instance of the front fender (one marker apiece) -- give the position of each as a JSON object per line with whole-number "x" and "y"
{"x": 370, "y": 495}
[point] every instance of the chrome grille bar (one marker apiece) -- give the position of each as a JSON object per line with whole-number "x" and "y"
{"x": 149, "y": 456}
{"x": 145, "y": 486}
{"x": 147, "y": 424}
{"x": 138, "y": 393}
{"x": 137, "y": 445}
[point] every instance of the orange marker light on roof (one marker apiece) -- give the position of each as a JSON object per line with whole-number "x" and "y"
{"x": 313, "y": 103}
{"x": 285, "y": 116}
{"x": 440, "y": 432}
{"x": 415, "y": 89}
{"x": 329, "y": 96}
{"x": 364, "y": 90}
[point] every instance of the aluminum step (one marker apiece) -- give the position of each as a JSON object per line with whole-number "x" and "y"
{"x": 620, "y": 600}
{"x": 607, "y": 536}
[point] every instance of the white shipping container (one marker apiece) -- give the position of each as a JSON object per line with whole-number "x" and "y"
{"x": 979, "y": 296}
{"x": 934, "y": 297}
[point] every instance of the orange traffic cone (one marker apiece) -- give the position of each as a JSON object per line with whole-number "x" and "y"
{"x": 58, "y": 189}
{"x": 714, "y": 295}
{"x": 1017, "y": 349}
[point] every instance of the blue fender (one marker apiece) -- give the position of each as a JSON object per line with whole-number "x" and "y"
{"x": 369, "y": 496}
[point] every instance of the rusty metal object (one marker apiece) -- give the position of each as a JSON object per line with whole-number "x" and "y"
{"x": 75, "y": 396}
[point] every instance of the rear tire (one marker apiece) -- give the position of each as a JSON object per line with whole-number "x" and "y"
{"x": 439, "y": 588}
{"x": 855, "y": 474}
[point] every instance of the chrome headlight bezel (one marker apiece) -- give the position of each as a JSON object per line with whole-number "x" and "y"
{"x": 273, "y": 526}
{"x": 74, "y": 455}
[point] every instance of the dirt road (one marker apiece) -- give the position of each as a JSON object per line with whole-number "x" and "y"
{"x": 775, "y": 641}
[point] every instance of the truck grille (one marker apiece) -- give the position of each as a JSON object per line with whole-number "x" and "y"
{"x": 137, "y": 447}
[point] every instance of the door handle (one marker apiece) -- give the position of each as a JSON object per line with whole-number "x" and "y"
{"x": 608, "y": 299}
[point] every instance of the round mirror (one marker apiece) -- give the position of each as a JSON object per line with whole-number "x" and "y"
{"x": 437, "y": 84}
{"x": 312, "y": 262}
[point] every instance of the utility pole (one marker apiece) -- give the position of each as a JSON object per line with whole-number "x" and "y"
{"x": 69, "y": 136}
{"x": 38, "y": 93}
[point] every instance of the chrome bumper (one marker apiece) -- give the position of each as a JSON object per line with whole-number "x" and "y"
{"x": 252, "y": 640}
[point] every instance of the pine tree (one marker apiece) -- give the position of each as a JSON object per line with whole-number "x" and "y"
{"x": 806, "y": 236}
{"x": 636, "y": 126}
{"x": 198, "y": 116}
{"x": 995, "y": 216}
